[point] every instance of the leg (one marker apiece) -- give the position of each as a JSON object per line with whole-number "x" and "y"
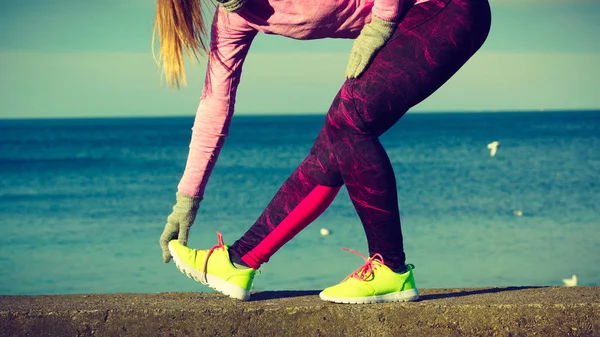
{"x": 369, "y": 178}
{"x": 301, "y": 199}
{"x": 433, "y": 41}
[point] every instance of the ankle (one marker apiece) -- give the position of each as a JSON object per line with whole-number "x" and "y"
{"x": 400, "y": 269}
{"x": 240, "y": 266}
{"x": 238, "y": 262}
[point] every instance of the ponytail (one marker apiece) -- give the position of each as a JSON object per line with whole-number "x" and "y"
{"x": 178, "y": 25}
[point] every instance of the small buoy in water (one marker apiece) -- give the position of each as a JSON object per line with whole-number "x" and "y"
{"x": 518, "y": 212}
{"x": 493, "y": 146}
{"x": 570, "y": 282}
{"x": 325, "y": 231}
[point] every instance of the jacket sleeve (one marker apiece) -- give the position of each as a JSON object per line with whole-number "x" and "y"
{"x": 388, "y": 10}
{"x": 230, "y": 40}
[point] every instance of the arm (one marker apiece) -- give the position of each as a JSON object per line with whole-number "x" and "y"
{"x": 230, "y": 42}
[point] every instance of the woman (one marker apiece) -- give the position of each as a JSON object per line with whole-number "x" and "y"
{"x": 403, "y": 52}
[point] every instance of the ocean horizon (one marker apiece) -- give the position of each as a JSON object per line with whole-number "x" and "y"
{"x": 291, "y": 114}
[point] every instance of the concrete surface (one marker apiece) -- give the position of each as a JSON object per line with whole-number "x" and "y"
{"x": 508, "y": 311}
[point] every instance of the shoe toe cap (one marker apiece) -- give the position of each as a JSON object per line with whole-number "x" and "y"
{"x": 180, "y": 250}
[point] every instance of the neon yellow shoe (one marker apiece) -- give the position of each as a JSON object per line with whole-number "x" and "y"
{"x": 213, "y": 268}
{"x": 373, "y": 282}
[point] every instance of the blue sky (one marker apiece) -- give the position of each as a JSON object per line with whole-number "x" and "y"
{"x": 65, "y": 58}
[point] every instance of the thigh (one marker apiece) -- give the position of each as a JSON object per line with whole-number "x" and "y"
{"x": 432, "y": 42}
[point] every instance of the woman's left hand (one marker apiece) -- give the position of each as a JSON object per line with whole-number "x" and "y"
{"x": 179, "y": 222}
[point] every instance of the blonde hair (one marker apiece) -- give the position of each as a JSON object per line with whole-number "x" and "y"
{"x": 178, "y": 25}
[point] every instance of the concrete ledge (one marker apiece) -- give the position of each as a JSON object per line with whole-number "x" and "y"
{"x": 511, "y": 311}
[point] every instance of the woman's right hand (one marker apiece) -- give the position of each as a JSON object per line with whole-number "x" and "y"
{"x": 179, "y": 222}
{"x": 372, "y": 38}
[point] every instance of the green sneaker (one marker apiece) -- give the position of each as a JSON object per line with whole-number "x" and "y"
{"x": 213, "y": 268}
{"x": 373, "y": 282}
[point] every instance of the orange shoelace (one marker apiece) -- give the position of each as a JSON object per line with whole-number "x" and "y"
{"x": 220, "y": 245}
{"x": 365, "y": 271}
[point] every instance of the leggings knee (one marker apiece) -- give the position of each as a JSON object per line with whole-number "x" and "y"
{"x": 343, "y": 120}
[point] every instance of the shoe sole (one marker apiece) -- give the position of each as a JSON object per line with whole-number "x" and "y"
{"x": 220, "y": 285}
{"x": 401, "y": 296}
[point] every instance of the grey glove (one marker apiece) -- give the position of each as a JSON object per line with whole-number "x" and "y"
{"x": 179, "y": 222}
{"x": 373, "y": 37}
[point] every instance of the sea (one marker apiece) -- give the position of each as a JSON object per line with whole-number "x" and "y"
{"x": 84, "y": 201}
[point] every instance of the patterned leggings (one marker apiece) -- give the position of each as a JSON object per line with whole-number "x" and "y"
{"x": 431, "y": 43}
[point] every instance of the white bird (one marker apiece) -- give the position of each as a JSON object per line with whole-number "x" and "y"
{"x": 493, "y": 146}
{"x": 570, "y": 282}
{"x": 325, "y": 231}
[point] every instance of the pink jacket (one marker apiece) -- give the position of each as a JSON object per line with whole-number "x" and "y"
{"x": 231, "y": 36}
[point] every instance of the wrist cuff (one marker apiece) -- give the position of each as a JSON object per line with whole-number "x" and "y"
{"x": 385, "y": 25}
{"x": 187, "y": 200}
{"x": 232, "y": 5}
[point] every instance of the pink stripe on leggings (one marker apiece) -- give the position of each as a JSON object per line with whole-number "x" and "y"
{"x": 306, "y": 212}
